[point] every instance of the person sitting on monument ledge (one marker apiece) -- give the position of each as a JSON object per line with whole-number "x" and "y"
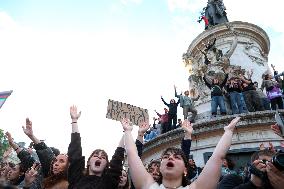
{"x": 187, "y": 104}
{"x": 174, "y": 163}
{"x": 217, "y": 98}
{"x": 172, "y": 114}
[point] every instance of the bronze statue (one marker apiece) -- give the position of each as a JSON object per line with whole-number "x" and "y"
{"x": 215, "y": 12}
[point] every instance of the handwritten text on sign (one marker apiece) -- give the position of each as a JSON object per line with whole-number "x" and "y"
{"x": 118, "y": 110}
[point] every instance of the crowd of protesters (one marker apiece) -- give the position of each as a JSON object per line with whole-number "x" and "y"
{"x": 233, "y": 95}
{"x": 44, "y": 167}
{"x": 175, "y": 169}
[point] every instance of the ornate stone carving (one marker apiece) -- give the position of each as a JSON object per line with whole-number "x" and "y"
{"x": 255, "y": 53}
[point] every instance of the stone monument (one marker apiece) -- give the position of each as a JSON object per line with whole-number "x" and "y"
{"x": 235, "y": 47}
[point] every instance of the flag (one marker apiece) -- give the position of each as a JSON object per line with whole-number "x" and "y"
{"x": 3, "y": 96}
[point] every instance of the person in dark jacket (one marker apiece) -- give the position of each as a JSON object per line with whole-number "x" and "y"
{"x": 217, "y": 98}
{"x": 100, "y": 172}
{"x": 172, "y": 114}
{"x": 194, "y": 171}
{"x": 53, "y": 171}
{"x": 251, "y": 96}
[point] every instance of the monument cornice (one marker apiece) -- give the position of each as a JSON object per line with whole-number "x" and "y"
{"x": 221, "y": 31}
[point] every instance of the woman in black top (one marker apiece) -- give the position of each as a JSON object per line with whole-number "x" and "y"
{"x": 100, "y": 173}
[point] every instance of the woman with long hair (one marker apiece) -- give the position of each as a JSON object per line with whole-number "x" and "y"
{"x": 174, "y": 164}
{"x": 54, "y": 166}
{"x": 100, "y": 172}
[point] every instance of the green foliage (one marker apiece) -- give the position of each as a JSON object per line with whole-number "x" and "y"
{"x": 3, "y": 143}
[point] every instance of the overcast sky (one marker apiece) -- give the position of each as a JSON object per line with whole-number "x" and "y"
{"x": 55, "y": 53}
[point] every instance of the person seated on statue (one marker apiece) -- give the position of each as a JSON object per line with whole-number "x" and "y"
{"x": 187, "y": 104}
{"x": 252, "y": 101}
{"x": 263, "y": 98}
{"x": 217, "y": 98}
{"x": 234, "y": 89}
{"x": 174, "y": 163}
{"x": 273, "y": 91}
{"x": 172, "y": 114}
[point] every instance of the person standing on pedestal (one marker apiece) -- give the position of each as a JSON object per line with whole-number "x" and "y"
{"x": 172, "y": 115}
{"x": 217, "y": 98}
{"x": 164, "y": 120}
{"x": 186, "y": 102}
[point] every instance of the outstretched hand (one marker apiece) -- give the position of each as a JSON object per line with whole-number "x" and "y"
{"x": 187, "y": 127}
{"x": 126, "y": 124}
{"x": 28, "y": 130}
{"x": 143, "y": 127}
{"x": 9, "y": 137}
{"x": 74, "y": 113}
{"x": 276, "y": 129}
{"x": 232, "y": 125}
{"x": 31, "y": 174}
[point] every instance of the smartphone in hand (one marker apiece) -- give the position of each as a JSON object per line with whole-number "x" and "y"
{"x": 280, "y": 122}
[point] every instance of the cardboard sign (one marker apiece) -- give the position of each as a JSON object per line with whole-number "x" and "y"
{"x": 118, "y": 110}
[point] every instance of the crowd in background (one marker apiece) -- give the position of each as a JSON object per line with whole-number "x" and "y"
{"x": 234, "y": 95}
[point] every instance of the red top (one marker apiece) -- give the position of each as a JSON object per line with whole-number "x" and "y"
{"x": 205, "y": 20}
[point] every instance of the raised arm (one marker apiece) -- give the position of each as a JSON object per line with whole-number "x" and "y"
{"x": 26, "y": 159}
{"x": 28, "y": 130}
{"x": 140, "y": 177}
{"x": 165, "y": 101}
{"x": 186, "y": 141}
{"x": 44, "y": 153}
{"x": 195, "y": 99}
{"x": 76, "y": 160}
{"x": 160, "y": 115}
{"x": 225, "y": 80}
{"x": 142, "y": 130}
{"x": 211, "y": 173}
{"x": 14, "y": 145}
{"x": 176, "y": 95}
{"x": 113, "y": 173}
{"x": 206, "y": 82}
